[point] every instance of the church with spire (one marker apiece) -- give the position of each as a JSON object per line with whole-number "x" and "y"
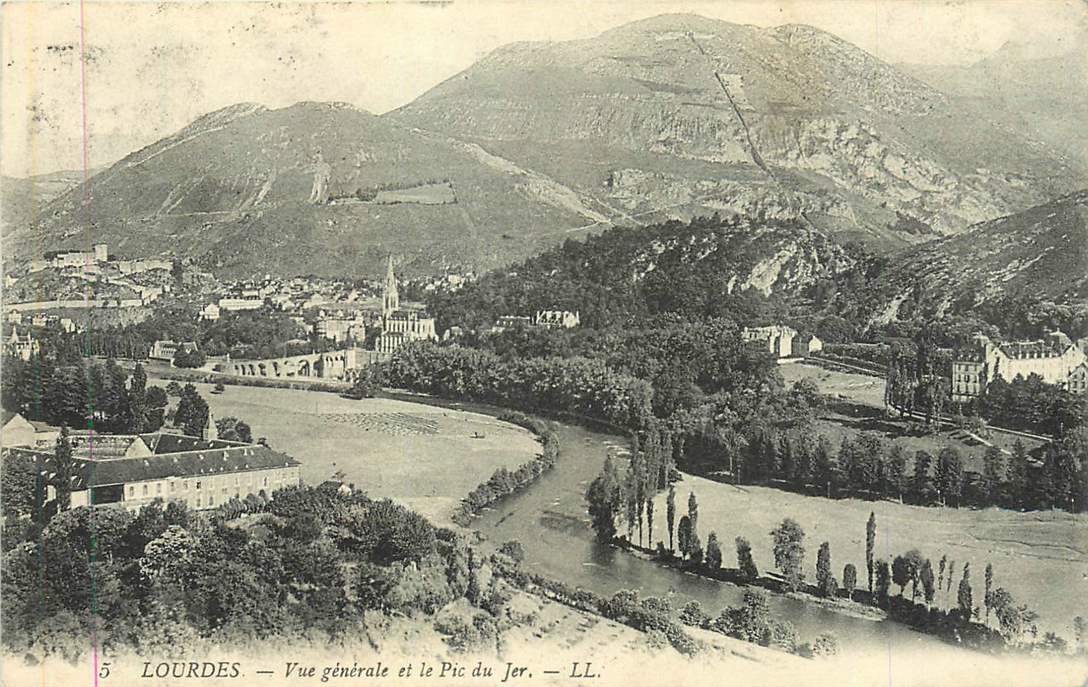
{"x": 400, "y": 325}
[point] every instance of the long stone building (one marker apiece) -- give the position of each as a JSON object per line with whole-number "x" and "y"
{"x": 131, "y": 471}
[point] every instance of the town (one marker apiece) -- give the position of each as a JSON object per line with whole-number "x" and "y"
{"x": 576, "y": 343}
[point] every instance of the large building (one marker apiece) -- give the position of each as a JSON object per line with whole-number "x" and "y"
{"x": 401, "y": 325}
{"x": 131, "y": 471}
{"x": 1054, "y": 358}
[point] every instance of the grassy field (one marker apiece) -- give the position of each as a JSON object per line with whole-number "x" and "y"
{"x": 426, "y": 457}
{"x": 1041, "y": 558}
{"x": 858, "y": 405}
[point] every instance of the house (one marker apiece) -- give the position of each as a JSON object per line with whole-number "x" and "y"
{"x": 210, "y": 312}
{"x": 166, "y": 349}
{"x": 1078, "y": 379}
{"x": 805, "y": 345}
{"x": 202, "y": 473}
{"x": 775, "y": 339}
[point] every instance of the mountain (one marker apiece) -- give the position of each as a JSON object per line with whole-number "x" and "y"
{"x": 1039, "y": 253}
{"x": 680, "y": 115}
{"x": 670, "y": 117}
{"x": 22, "y": 198}
{"x": 315, "y": 188}
{"x": 1045, "y": 94}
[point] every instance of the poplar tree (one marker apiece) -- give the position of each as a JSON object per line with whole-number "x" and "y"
{"x": 670, "y": 515}
{"x": 870, "y": 544}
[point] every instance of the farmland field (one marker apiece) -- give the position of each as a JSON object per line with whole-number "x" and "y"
{"x": 1039, "y": 557}
{"x": 426, "y": 457}
{"x": 858, "y": 405}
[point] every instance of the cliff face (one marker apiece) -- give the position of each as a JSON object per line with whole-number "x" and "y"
{"x": 685, "y": 115}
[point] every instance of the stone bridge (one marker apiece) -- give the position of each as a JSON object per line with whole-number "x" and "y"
{"x": 342, "y": 365}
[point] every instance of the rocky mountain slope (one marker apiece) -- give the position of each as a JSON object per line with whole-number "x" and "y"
{"x": 1041, "y": 253}
{"x": 670, "y": 117}
{"x": 680, "y": 115}
{"x": 315, "y": 188}
{"x": 1044, "y": 94}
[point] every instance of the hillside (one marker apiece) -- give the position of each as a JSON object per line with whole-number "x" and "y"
{"x": 313, "y": 188}
{"x": 671, "y": 117}
{"x": 705, "y": 268}
{"x": 1044, "y": 94}
{"x": 680, "y": 115}
{"x": 1039, "y": 253}
{"x": 21, "y": 199}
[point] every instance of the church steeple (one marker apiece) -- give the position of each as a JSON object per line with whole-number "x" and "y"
{"x": 390, "y": 296}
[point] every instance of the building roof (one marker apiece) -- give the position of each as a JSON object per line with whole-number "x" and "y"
{"x": 97, "y": 473}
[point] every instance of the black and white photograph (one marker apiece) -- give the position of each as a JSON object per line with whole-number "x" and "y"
{"x": 526, "y": 343}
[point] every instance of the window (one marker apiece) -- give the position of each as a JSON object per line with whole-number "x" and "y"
{"x": 198, "y": 502}
{"x": 145, "y": 490}
{"x": 198, "y": 484}
{"x": 158, "y": 488}
{"x": 131, "y": 490}
{"x": 211, "y": 500}
{"x": 266, "y": 481}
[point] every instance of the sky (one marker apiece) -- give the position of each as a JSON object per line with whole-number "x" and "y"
{"x": 148, "y": 69}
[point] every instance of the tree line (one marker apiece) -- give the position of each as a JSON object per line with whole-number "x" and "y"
{"x": 87, "y": 394}
{"x": 608, "y": 494}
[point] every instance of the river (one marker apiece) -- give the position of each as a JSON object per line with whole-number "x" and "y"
{"x": 550, "y": 521}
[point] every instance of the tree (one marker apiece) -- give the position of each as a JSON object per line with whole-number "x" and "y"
{"x": 950, "y": 475}
{"x": 650, "y": 519}
{"x": 940, "y": 574}
{"x": 684, "y": 536}
{"x": 964, "y": 597}
{"x": 988, "y": 598}
{"x": 927, "y": 581}
{"x": 826, "y": 467}
{"x": 826, "y": 644}
{"x": 849, "y": 579}
{"x": 922, "y": 484}
{"x": 1013, "y": 619}
{"x": 914, "y": 561}
{"x": 1017, "y": 484}
{"x": 604, "y": 499}
{"x": 870, "y": 544}
{"x": 993, "y": 474}
{"x": 63, "y": 469}
{"x": 693, "y": 513}
{"x": 900, "y": 573}
{"x": 883, "y": 581}
{"x": 895, "y": 472}
{"x": 233, "y": 429}
{"x": 823, "y": 567}
{"x": 713, "y": 552}
{"x": 192, "y": 412}
{"x": 670, "y": 514}
{"x": 789, "y": 552}
{"x": 747, "y": 566}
